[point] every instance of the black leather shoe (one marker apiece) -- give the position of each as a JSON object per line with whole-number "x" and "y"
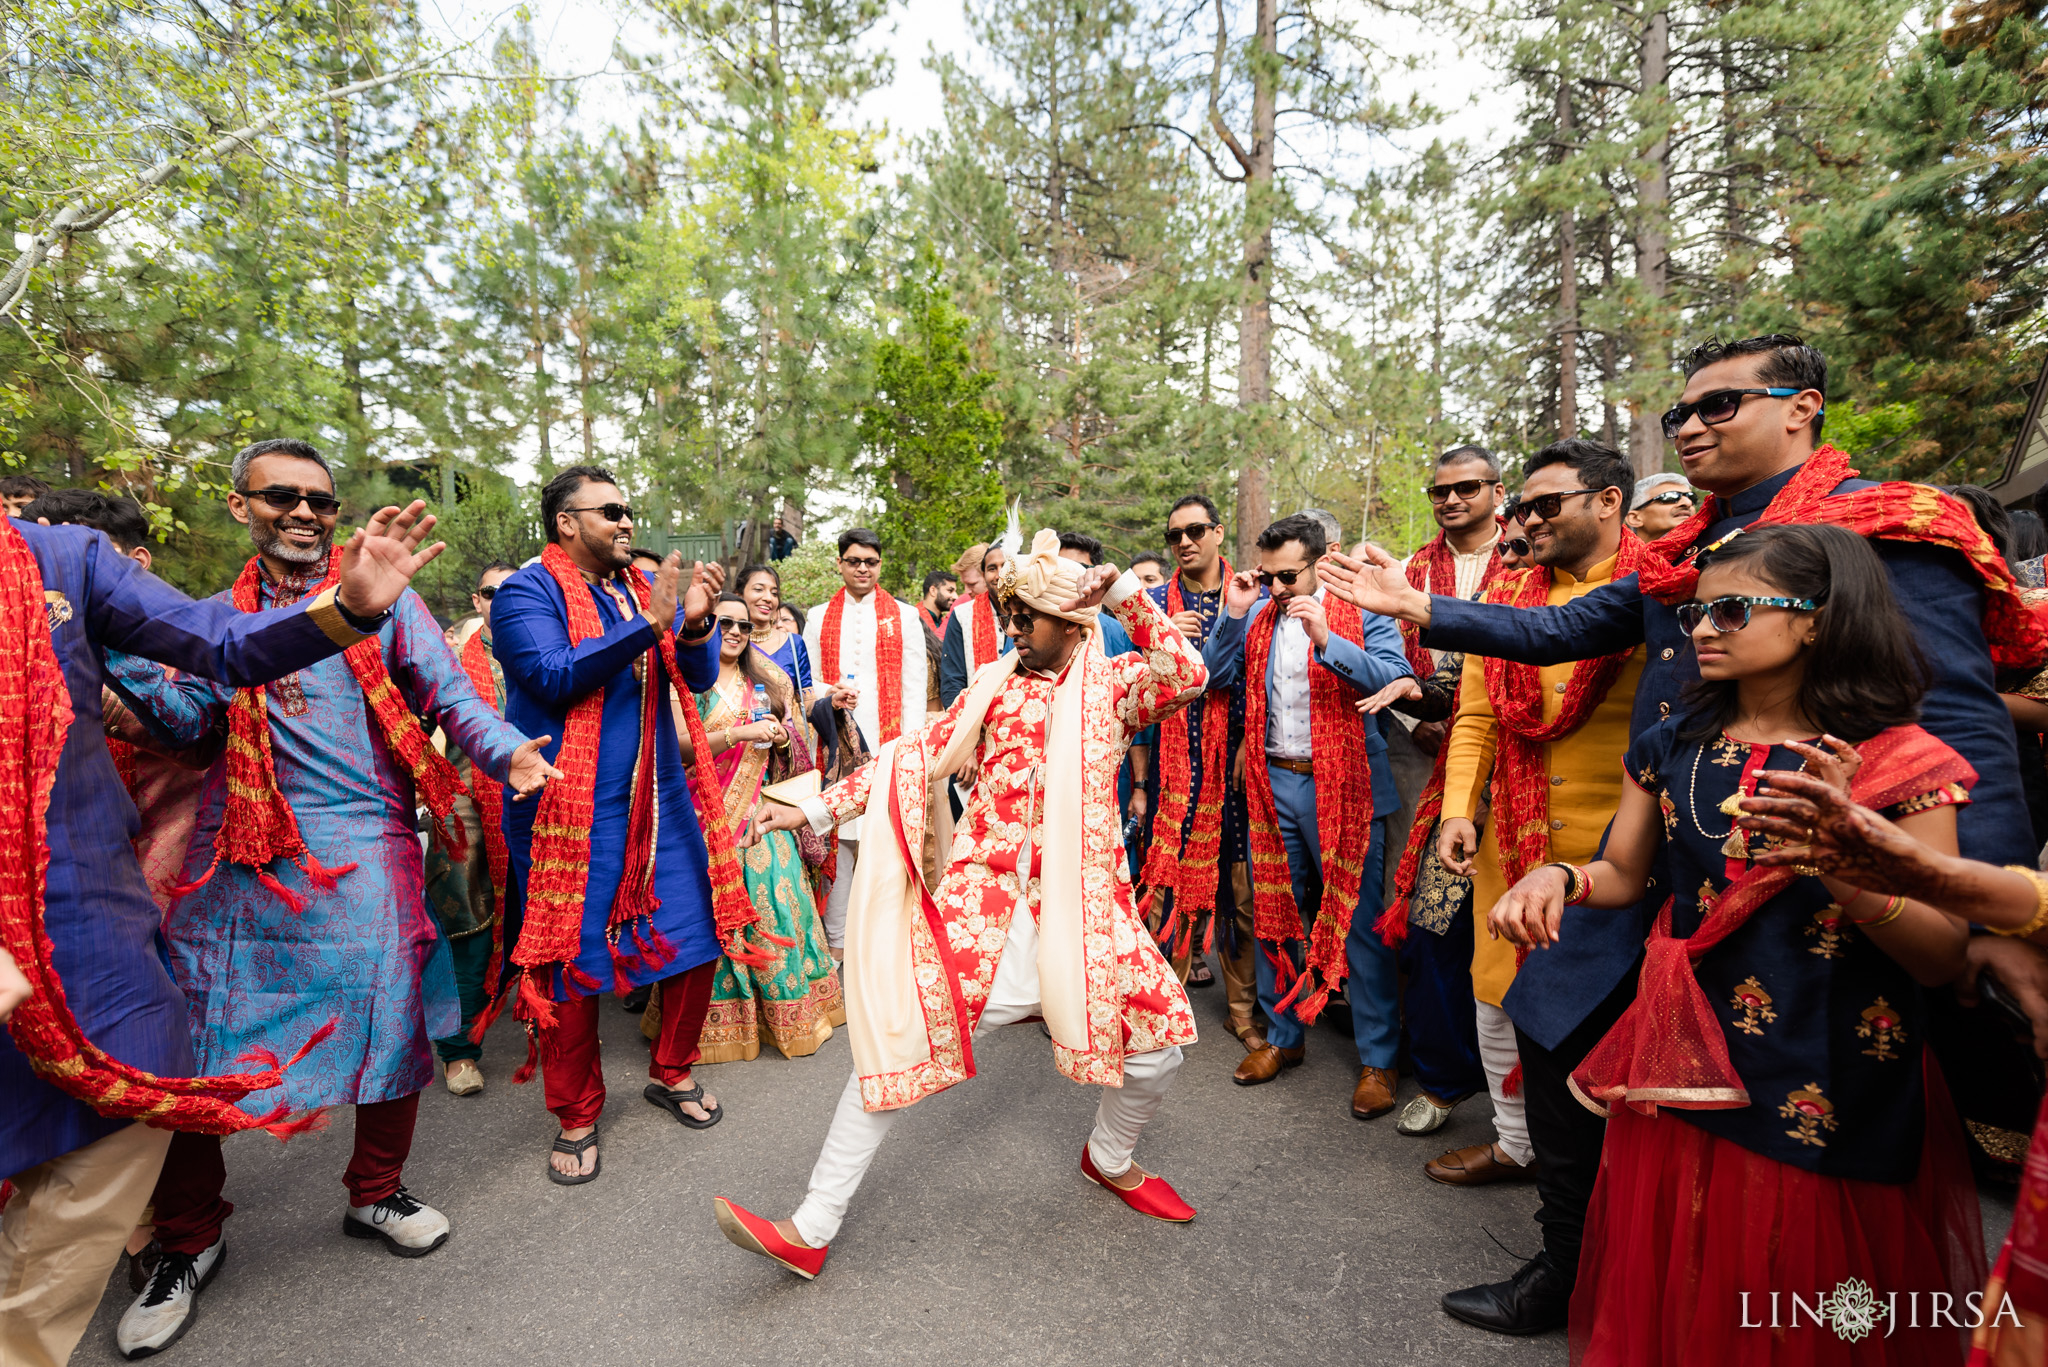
{"x": 636, "y": 1001}
{"x": 1535, "y": 1300}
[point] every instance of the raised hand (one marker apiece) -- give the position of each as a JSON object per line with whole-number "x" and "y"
{"x": 1240, "y": 593}
{"x": 1531, "y": 912}
{"x": 530, "y": 773}
{"x": 706, "y": 583}
{"x": 1310, "y": 614}
{"x": 1375, "y": 584}
{"x": 1095, "y": 583}
{"x": 661, "y": 604}
{"x": 380, "y": 558}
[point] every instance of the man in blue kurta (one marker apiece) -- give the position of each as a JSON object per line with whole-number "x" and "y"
{"x": 549, "y": 669}
{"x": 81, "y": 1175}
{"x": 1751, "y": 416}
{"x": 268, "y": 954}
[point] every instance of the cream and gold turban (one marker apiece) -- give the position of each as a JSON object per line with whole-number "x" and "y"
{"x": 1043, "y": 580}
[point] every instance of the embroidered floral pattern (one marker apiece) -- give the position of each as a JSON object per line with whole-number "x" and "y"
{"x": 1753, "y": 1006}
{"x": 1826, "y": 931}
{"x": 1880, "y": 1024}
{"x": 1810, "y": 1113}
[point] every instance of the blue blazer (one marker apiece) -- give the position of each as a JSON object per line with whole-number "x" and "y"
{"x": 1941, "y": 596}
{"x": 1368, "y": 669}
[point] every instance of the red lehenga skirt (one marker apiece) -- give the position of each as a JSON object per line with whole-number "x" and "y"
{"x": 1682, "y": 1223}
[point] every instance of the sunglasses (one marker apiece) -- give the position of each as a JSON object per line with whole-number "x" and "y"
{"x": 1717, "y": 407}
{"x": 1197, "y": 530}
{"x": 610, "y": 512}
{"x": 285, "y": 500}
{"x": 1546, "y": 506}
{"x": 1515, "y": 546}
{"x": 487, "y": 592}
{"x": 1021, "y": 621}
{"x": 1673, "y": 497}
{"x": 861, "y": 562}
{"x": 1466, "y": 489}
{"x": 1286, "y": 577}
{"x": 1731, "y": 613}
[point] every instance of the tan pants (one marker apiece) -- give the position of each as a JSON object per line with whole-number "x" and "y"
{"x": 1240, "y": 986}
{"x": 63, "y": 1233}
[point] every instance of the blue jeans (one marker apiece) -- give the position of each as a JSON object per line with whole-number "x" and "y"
{"x": 1372, "y": 987}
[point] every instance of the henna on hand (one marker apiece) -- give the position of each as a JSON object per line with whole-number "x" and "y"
{"x": 1839, "y": 836}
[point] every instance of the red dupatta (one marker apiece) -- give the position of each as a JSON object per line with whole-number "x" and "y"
{"x": 1188, "y": 868}
{"x": 1668, "y": 1048}
{"x": 1343, "y": 775}
{"x": 888, "y": 656}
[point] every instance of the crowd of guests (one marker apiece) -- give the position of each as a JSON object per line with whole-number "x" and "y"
{"x": 1693, "y": 821}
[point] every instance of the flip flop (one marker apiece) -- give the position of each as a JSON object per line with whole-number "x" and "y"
{"x": 671, "y": 1100}
{"x": 577, "y": 1147}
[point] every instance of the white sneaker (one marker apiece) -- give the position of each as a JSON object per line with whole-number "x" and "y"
{"x": 407, "y": 1227}
{"x": 465, "y": 1078}
{"x": 164, "y": 1309}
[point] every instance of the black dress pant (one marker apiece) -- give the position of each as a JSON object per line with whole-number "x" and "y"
{"x": 1565, "y": 1135}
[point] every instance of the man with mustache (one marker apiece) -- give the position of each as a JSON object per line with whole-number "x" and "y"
{"x": 303, "y": 903}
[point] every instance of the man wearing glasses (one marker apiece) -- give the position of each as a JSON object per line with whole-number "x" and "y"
{"x": 1746, "y": 430}
{"x": 870, "y": 653}
{"x": 1661, "y": 502}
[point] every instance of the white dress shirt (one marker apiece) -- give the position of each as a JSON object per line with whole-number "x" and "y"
{"x": 1287, "y": 711}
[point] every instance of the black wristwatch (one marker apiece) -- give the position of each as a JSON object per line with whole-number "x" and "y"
{"x": 365, "y": 626}
{"x": 710, "y": 624}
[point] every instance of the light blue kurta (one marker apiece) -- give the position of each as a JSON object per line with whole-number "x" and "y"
{"x": 367, "y": 955}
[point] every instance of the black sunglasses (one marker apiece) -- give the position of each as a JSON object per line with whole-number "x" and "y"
{"x": 1731, "y": 611}
{"x": 1673, "y": 497}
{"x": 610, "y": 512}
{"x": 1465, "y": 488}
{"x": 1197, "y": 530}
{"x": 285, "y": 500}
{"x": 860, "y": 562}
{"x": 1717, "y": 407}
{"x": 1546, "y": 506}
{"x": 487, "y": 592}
{"x": 1512, "y": 546}
{"x": 1286, "y": 577}
{"x": 1021, "y": 621}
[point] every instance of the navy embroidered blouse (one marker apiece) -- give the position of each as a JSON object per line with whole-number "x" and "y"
{"x": 1824, "y": 1028}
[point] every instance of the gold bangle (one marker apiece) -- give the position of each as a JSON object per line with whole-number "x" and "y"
{"x": 2040, "y": 920}
{"x": 1893, "y": 910}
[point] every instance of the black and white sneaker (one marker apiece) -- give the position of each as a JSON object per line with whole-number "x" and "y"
{"x": 164, "y": 1309}
{"x": 409, "y": 1227}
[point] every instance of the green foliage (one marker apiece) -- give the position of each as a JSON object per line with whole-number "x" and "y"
{"x": 811, "y": 573}
{"x": 932, "y": 440}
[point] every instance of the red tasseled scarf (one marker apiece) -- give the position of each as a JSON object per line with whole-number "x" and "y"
{"x": 257, "y": 825}
{"x": 1189, "y": 870}
{"x": 1343, "y": 775}
{"x": 888, "y": 656}
{"x": 986, "y": 645}
{"x": 35, "y": 714}
{"x": 490, "y": 810}
{"x": 552, "y": 931}
{"x": 1885, "y": 512}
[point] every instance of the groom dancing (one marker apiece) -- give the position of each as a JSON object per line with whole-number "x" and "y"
{"x": 1047, "y": 725}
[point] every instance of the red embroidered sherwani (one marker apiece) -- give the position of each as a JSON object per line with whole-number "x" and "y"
{"x": 979, "y": 892}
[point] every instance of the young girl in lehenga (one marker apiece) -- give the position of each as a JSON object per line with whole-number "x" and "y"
{"x": 1775, "y": 1129}
{"x": 794, "y": 1005}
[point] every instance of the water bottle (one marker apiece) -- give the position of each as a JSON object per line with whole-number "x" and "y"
{"x": 761, "y": 712}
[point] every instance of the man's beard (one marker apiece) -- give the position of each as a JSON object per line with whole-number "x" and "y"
{"x": 270, "y": 541}
{"x": 603, "y": 550}
{"x": 1569, "y": 544}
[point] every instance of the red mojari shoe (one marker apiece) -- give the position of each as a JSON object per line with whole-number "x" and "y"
{"x": 1153, "y": 1196}
{"x": 757, "y": 1235}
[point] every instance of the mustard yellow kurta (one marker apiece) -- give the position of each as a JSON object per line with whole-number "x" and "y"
{"x": 1585, "y": 778}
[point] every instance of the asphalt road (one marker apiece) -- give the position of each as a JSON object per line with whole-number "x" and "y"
{"x": 974, "y": 1239}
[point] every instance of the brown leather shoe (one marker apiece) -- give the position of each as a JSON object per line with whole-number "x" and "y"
{"x": 1374, "y": 1094}
{"x": 1476, "y": 1166}
{"x": 1248, "y": 1033}
{"x": 1264, "y": 1063}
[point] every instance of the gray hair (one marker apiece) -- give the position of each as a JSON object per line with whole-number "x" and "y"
{"x": 1650, "y": 484}
{"x": 238, "y": 472}
{"x": 1333, "y": 530}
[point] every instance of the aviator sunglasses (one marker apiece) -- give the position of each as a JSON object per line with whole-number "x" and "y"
{"x": 284, "y": 500}
{"x": 1718, "y": 407}
{"x": 1731, "y": 612}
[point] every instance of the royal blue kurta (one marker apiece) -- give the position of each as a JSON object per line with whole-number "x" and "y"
{"x": 544, "y": 677}
{"x": 101, "y": 920}
{"x": 368, "y": 955}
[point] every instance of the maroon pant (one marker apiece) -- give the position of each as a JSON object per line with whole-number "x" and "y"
{"x": 573, "y": 1076}
{"x": 189, "y": 1207}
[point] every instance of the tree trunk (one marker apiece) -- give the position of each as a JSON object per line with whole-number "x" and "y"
{"x": 1255, "y": 327}
{"x": 1653, "y": 248}
{"x": 1567, "y": 284}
